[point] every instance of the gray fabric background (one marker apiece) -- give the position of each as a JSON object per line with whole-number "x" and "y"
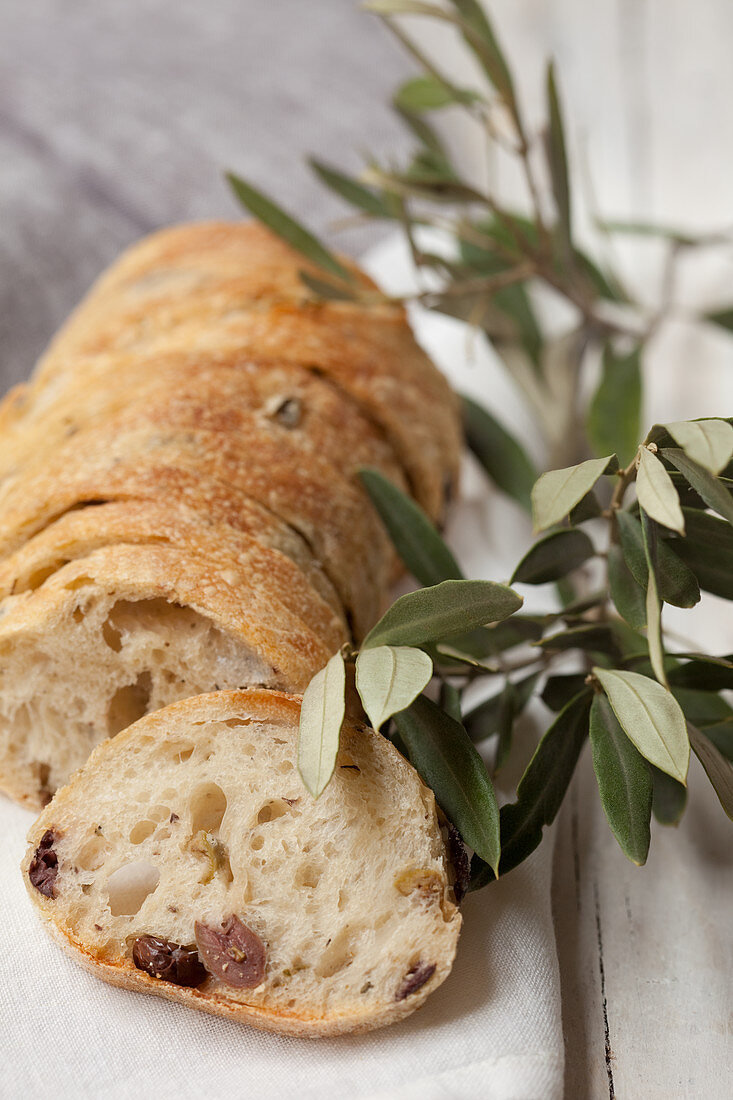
{"x": 116, "y": 118}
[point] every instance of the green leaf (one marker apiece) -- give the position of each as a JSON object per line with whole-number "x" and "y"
{"x": 614, "y": 417}
{"x": 703, "y": 673}
{"x": 554, "y": 556}
{"x": 626, "y": 593}
{"x": 501, "y": 456}
{"x": 593, "y": 638}
{"x": 676, "y": 583}
{"x": 721, "y": 734}
{"x": 329, "y": 292}
{"x": 286, "y": 227}
{"x": 653, "y": 602}
{"x": 414, "y": 536}
{"x": 560, "y": 689}
{"x": 422, "y": 130}
{"x": 624, "y": 781}
{"x": 480, "y": 37}
{"x": 721, "y": 317}
{"x": 718, "y": 770}
{"x": 651, "y": 717}
{"x": 430, "y": 93}
{"x": 557, "y": 157}
{"x": 558, "y": 491}
{"x": 648, "y": 229}
{"x": 669, "y": 798}
{"x": 486, "y": 719}
{"x": 388, "y": 678}
{"x": 497, "y": 639}
{"x": 657, "y": 495}
{"x": 702, "y": 708}
{"x": 321, "y": 718}
{"x": 543, "y": 785}
{"x": 588, "y": 507}
{"x": 709, "y": 443}
{"x": 442, "y": 753}
{"x": 450, "y": 701}
{"x": 708, "y": 550}
{"x": 445, "y": 609}
{"x": 704, "y": 483}
{"x": 354, "y": 192}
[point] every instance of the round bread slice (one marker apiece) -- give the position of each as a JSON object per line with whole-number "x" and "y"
{"x": 187, "y": 860}
{"x": 128, "y": 629}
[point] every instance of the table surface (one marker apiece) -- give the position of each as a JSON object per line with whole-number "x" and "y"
{"x": 118, "y": 118}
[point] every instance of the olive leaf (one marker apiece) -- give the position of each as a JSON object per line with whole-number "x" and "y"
{"x": 718, "y": 770}
{"x": 709, "y": 443}
{"x": 558, "y": 491}
{"x": 388, "y": 678}
{"x": 561, "y": 688}
{"x": 703, "y": 673}
{"x": 651, "y": 718}
{"x": 326, "y": 290}
{"x": 445, "y": 609}
{"x": 708, "y": 551}
{"x": 480, "y": 37}
{"x": 446, "y": 759}
{"x": 354, "y": 192}
{"x": 721, "y": 734}
{"x": 624, "y": 781}
{"x": 669, "y": 798}
{"x": 451, "y": 701}
{"x": 553, "y": 556}
{"x": 504, "y": 460}
{"x": 703, "y": 482}
{"x": 614, "y": 416}
{"x": 413, "y": 535}
{"x": 626, "y": 593}
{"x": 321, "y": 717}
{"x": 676, "y": 583}
{"x": 430, "y": 93}
{"x": 286, "y": 227}
{"x": 702, "y": 708}
{"x": 653, "y": 602}
{"x": 485, "y": 719}
{"x": 543, "y": 785}
{"x": 657, "y": 495}
{"x": 557, "y": 158}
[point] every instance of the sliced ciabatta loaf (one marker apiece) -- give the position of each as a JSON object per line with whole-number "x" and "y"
{"x": 127, "y": 629}
{"x": 186, "y": 859}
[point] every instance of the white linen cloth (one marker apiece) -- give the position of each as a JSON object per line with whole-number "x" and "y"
{"x": 491, "y": 1032}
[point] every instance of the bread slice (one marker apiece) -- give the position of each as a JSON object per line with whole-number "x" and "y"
{"x": 187, "y": 860}
{"x": 127, "y": 629}
{"x": 330, "y": 512}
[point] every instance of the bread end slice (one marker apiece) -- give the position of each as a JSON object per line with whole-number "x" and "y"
{"x": 187, "y": 860}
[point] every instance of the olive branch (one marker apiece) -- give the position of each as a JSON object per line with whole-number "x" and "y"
{"x": 651, "y": 517}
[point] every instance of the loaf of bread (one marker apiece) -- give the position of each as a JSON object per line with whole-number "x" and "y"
{"x": 179, "y": 506}
{"x": 187, "y": 860}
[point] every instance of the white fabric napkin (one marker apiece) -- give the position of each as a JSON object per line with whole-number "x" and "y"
{"x": 492, "y": 1031}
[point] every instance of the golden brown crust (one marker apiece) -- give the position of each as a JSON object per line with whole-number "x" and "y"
{"x": 222, "y": 289}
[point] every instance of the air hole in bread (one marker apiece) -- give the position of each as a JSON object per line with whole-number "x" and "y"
{"x": 208, "y": 806}
{"x": 338, "y": 954}
{"x": 272, "y": 810}
{"x": 78, "y": 615}
{"x": 129, "y": 703}
{"x": 92, "y": 854}
{"x": 257, "y": 842}
{"x": 141, "y": 831}
{"x": 35, "y": 579}
{"x": 285, "y": 766}
{"x": 308, "y": 875}
{"x": 78, "y": 582}
{"x": 129, "y": 886}
{"x": 112, "y": 637}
